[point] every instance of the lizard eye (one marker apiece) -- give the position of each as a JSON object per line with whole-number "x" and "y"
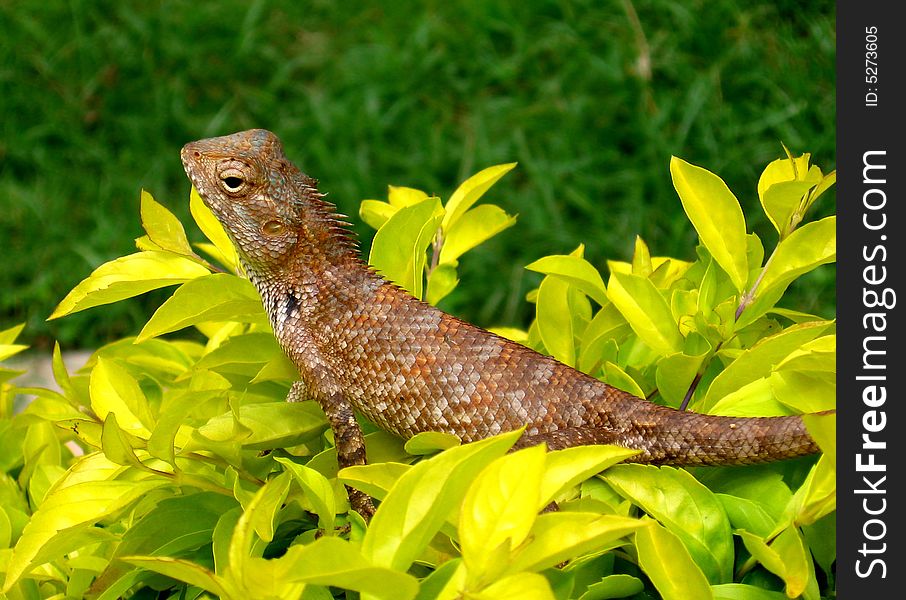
{"x": 233, "y": 183}
{"x": 273, "y": 227}
{"x": 233, "y": 180}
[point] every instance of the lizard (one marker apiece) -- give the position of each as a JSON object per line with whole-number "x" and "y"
{"x": 361, "y": 343}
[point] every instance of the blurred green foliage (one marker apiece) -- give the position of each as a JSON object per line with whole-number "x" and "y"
{"x": 590, "y": 97}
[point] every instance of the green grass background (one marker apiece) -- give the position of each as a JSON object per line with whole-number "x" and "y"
{"x": 591, "y": 97}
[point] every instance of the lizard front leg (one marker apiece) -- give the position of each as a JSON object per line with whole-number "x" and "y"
{"x": 347, "y": 436}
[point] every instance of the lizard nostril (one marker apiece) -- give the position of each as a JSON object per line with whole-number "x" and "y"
{"x": 196, "y": 154}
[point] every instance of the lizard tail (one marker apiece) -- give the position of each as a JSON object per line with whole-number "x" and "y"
{"x": 673, "y": 437}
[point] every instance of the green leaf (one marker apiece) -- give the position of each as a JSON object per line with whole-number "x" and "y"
{"x": 615, "y": 376}
{"x": 223, "y": 249}
{"x": 269, "y": 424}
{"x": 554, "y": 319}
{"x": 80, "y": 504}
{"x": 647, "y": 312}
{"x": 317, "y": 490}
{"x": 419, "y": 503}
{"x": 686, "y": 507}
{"x": 470, "y": 191}
{"x": 522, "y": 586}
{"x": 601, "y": 333}
{"x": 250, "y": 348}
{"x": 399, "y": 246}
{"x": 173, "y": 527}
{"x": 499, "y": 509}
{"x": 667, "y": 563}
{"x": 61, "y": 375}
{"x": 825, "y": 184}
{"x": 716, "y": 215}
{"x": 817, "y": 497}
{"x": 401, "y": 196}
{"x": 9, "y": 335}
{"x": 782, "y": 203}
{"x": 184, "y": 570}
{"x": 214, "y": 297}
{"x": 614, "y": 586}
{"x": 576, "y": 271}
{"x": 441, "y": 281}
{"x": 429, "y": 442}
{"x": 804, "y": 393}
{"x": 641, "y": 258}
{"x": 565, "y": 468}
{"x": 375, "y": 212}
{"x": 558, "y": 536}
{"x": 808, "y": 247}
{"x": 116, "y": 444}
{"x": 162, "y": 227}
{"x": 675, "y": 374}
{"x": 338, "y": 563}
{"x": 756, "y": 362}
{"x": 162, "y": 442}
{"x": 787, "y": 557}
{"x": 747, "y": 514}
{"x": 261, "y": 513}
{"x": 114, "y": 390}
{"x": 740, "y": 591}
{"x": 811, "y": 245}
{"x": 126, "y": 277}
{"x": 474, "y": 227}
{"x": 375, "y": 479}
{"x": 754, "y": 399}
{"x": 821, "y": 539}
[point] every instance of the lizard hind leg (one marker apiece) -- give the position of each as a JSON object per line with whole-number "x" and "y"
{"x": 569, "y": 437}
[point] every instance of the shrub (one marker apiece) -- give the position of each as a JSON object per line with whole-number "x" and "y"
{"x": 171, "y": 467}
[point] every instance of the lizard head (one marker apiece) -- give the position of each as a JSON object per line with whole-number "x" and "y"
{"x": 271, "y": 210}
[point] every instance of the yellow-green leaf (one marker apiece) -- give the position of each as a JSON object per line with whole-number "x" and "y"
{"x": 214, "y": 297}
{"x": 716, "y": 215}
{"x": 675, "y": 374}
{"x": 422, "y": 498}
{"x": 554, "y": 319}
{"x": 441, "y": 281}
{"x": 499, "y": 509}
{"x": 574, "y": 270}
{"x": 522, "y": 586}
{"x": 666, "y": 562}
{"x": 787, "y": 557}
{"x": 376, "y": 212}
{"x": 129, "y": 276}
{"x": 559, "y": 536}
{"x": 114, "y": 390}
{"x": 565, "y": 468}
{"x": 399, "y": 246}
{"x": 470, "y": 191}
{"x": 214, "y": 231}
{"x": 430, "y": 442}
{"x": 811, "y": 245}
{"x": 184, "y": 570}
{"x": 756, "y": 362}
{"x": 620, "y": 379}
{"x": 473, "y": 228}
{"x": 163, "y": 228}
{"x": 647, "y": 312}
{"x": 401, "y": 196}
{"x": 641, "y": 258}
{"x": 77, "y": 505}
{"x": 782, "y": 201}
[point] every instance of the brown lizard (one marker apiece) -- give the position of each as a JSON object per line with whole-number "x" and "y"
{"x": 362, "y": 343}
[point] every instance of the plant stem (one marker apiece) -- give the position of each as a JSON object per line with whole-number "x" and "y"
{"x": 749, "y": 296}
